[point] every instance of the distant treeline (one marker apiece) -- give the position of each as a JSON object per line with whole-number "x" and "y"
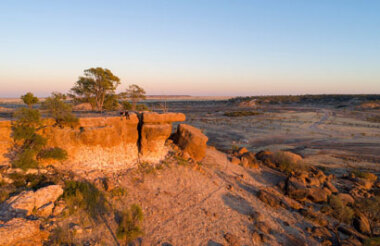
{"x": 324, "y": 98}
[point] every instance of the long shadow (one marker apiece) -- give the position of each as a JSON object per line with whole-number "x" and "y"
{"x": 109, "y": 229}
{"x": 238, "y": 204}
{"x": 213, "y": 243}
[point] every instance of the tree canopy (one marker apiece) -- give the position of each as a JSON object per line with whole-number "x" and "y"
{"x": 134, "y": 93}
{"x": 94, "y": 86}
{"x": 29, "y": 99}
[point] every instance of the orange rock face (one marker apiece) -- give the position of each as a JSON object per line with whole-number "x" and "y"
{"x": 155, "y": 130}
{"x": 98, "y": 143}
{"x": 107, "y": 143}
{"x": 5, "y": 141}
{"x": 156, "y": 118}
{"x": 192, "y": 141}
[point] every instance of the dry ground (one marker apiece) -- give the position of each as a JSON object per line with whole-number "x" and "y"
{"x": 184, "y": 205}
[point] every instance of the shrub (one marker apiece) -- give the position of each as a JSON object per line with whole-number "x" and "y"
{"x": 341, "y": 212}
{"x": 53, "y": 153}
{"x": 29, "y": 145}
{"x": 370, "y": 207}
{"x": 372, "y": 241}
{"x": 285, "y": 163}
{"x": 146, "y": 168}
{"x": 85, "y": 196}
{"x": 62, "y": 235}
{"x": 59, "y": 110}
{"x": 365, "y": 175}
{"x": 129, "y": 227}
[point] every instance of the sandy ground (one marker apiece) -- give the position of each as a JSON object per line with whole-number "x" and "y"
{"x": 185, "y": 206}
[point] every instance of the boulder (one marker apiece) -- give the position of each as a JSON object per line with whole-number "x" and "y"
{"x": 295, "y": 188}
{"x": 235, "y": 160}
{"x": 21, "y": 232}
{"x": 47, "y": 195}
{"x": 27, "y": 201}
{"x": 331, "y": 187}
{"x": 192, "y": 141}
{"x": 346, "y": 198}
{"x": 269, "y": 198}
{"x": 317, "y": 194}
{"x": 242, "y": 150}
{"x": 361, "y": 223}
{"x": 23, "y": 203}
{"x": 321, "y": 233}
{"x": 248, "y": 160}
{"x": 274, "y": 159}
{"x": 232, "y": 240}
{"x": 266, "y": 157}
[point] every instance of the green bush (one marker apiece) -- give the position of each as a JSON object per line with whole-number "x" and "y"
{"x": 85, "y": 196}
{"x": 53, "y": 153}
{"x": 129, "y": 227}
{"x": 29, "y": 144}
{"x": 341, "y": 212}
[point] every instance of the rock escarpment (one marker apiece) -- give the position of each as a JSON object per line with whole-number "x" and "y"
{"x": 113, "y": 143}
{"x": 155, "y": 130}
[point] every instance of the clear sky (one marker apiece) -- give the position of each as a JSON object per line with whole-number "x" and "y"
{"x": 208, "y": 47}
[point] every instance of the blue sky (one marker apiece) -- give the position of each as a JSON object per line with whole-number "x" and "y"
{"x": 210, "y": 47}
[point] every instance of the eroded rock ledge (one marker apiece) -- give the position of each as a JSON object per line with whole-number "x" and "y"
{"x": 114, "y": 143}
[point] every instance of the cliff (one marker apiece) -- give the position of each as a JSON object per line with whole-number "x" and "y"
{"x": 107, "y": 143}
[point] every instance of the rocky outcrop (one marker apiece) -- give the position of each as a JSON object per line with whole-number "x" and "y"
{"x": 155, "y": 130}
{"x": 25, "y": 203}
{"x": 98, "y": 143}
{"x": 192, "y": 141}
{"x": 113, "y": 143}
{"x": 5, "y": 141}
{"x": 21, "y": 232}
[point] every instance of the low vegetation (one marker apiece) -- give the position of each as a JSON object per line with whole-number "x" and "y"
{"x": 129, "y": 227}
{"x": 82, "y": 195}
{"x": 29, "y": 145}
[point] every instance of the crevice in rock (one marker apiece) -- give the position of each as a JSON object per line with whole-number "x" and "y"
{"x": 139, "y": 128}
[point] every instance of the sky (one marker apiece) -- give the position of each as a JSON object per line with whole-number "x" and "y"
{"x": 208, "y": 47}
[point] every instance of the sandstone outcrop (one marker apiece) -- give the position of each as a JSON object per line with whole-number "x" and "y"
{"x": 21, "y": 232}
{"x": 192, "y": 141}
{"x": 155, "y": 130}
{"x": 41, "y": 200}
{"x": 113, "y": 143}
{"x": 98, "y": 143}
{"x": 5, "y": 141}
